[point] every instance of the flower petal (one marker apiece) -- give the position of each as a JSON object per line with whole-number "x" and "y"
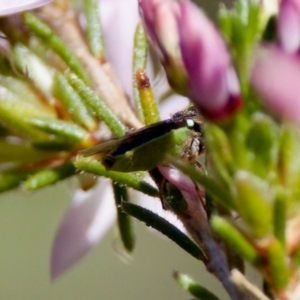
{"x": 213, "y": 85}
{"x": 181, "y": 181}
{"x": 276, "y": 76}
{"x": 9, "y": 7}
{"x": 289, "y": 25}
{"x": 119, "y": 19}
{"x": 88, "y": 219}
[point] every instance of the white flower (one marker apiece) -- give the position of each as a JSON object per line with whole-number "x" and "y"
{"x": 8, "y": 7}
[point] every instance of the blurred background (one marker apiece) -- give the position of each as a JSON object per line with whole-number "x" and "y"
{"x": 28, "y": 222}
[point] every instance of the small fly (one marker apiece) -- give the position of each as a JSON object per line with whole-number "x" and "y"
{"x": 144, "y": 149}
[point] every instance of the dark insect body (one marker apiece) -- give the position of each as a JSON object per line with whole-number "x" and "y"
{"x": 148, "y": 147}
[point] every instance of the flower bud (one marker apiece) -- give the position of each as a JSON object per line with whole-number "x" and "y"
{"x": 275, "y": 76}
{"x": 213, "y": 84}
{"x": 159, "y": 20}
{"x": 289, "y": 25}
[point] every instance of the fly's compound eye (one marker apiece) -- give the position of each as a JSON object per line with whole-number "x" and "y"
{"x": 190, "y": 123}
{"x": 193, "y": 125}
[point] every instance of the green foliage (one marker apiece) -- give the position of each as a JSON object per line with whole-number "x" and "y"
{"x": 163, "y": 226}
{"x": 124, "y": 220}
{"x": 41, "y": 30}
{"x": 49, "y": 111}
{"x": 195, "y": 289}
{"x": 134, "y": 181}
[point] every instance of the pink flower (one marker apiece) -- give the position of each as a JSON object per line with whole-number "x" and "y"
{"x": 181, "y": 181}
{"x": 289, "y": 25}
{"x": 160, "y": 22}
{"x": 276, "y": 76}
{"x": 212, "y": 81}
{"x": 9, "y": 7}
{"x": 159, "y": 19}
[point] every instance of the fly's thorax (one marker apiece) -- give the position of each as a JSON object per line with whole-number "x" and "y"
{"x": 193, "y": 148}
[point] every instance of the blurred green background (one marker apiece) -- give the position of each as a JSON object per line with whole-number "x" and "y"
{"x": 28, "y": 222}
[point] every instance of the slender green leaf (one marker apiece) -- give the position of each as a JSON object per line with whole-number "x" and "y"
{"x": 278, "y": 265}
{"x": 42, "y": 31}
{"x": 99, "y": 108}
{"x": 67, "y": 131}
{"x": 124, "y": 220}
{"x": 234, "y": 239}
{"x": 220, "y": 151}
{"x": 72, "y": 102}
{"x": 14, "y": 114}
{"x": 93, "y": 28}
{"x": 22, "y": 89}
{"x": 131, "y": 180}
{"x": 139, "y": 62}
{"x": 49, "y": 176}
{"x": 148, "y": 102}
{"x": 21, "y": 152}
{"x": 280, "y": 217}
{"x": 33, "y": 68}
{"x": 11, "y": 180}
{"x": 52, "y": 144}
{"x": 253, "y": 199}
{"x": 262, "y": 141}
{"x": 163, "y": 226}
{"x": 190, "y": 285}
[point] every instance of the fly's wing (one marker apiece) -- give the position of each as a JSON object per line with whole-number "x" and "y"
{"x": 101, "y": 148}
{"x": 132, "y": 140}
{"x": 144, "y": 135}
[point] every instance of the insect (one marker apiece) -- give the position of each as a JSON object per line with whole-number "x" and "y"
{"x": 144, "y": 149}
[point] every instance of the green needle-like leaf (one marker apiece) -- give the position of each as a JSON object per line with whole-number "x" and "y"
{"x": 191, "y": 286}
{"x": 72, "y": 102}
{"x": 252, "y": 197}
{"x": 124, "y": 220}
{"x": 262, "y": 143}
{"x": 289, "y": 160}
{"x": 49, "y": 176}
{"x": 95, "y": 167}
{"x": 42, "y": 31}
{"x": 148, "y": 102}
{"x": 10, "y": 180}
{"x": 33, "y": 68}
{"x": 93, "y": 28}
{"x": 280, "y": 217}
{"x": 21, "y": 152}
{"x": 14, "y": 114}
{"x": 22, "y": 89}
{"x": 53, "y": 144}
{"x": 278, "y": 265}
{"x": 163, "y": 226}
{"x": 69, "y": 132}
{"x": 220, "y": 151}
{"x": 97, "y": 106}
{"x": 234, "y": 239}
{"x": 139, "y": 63}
